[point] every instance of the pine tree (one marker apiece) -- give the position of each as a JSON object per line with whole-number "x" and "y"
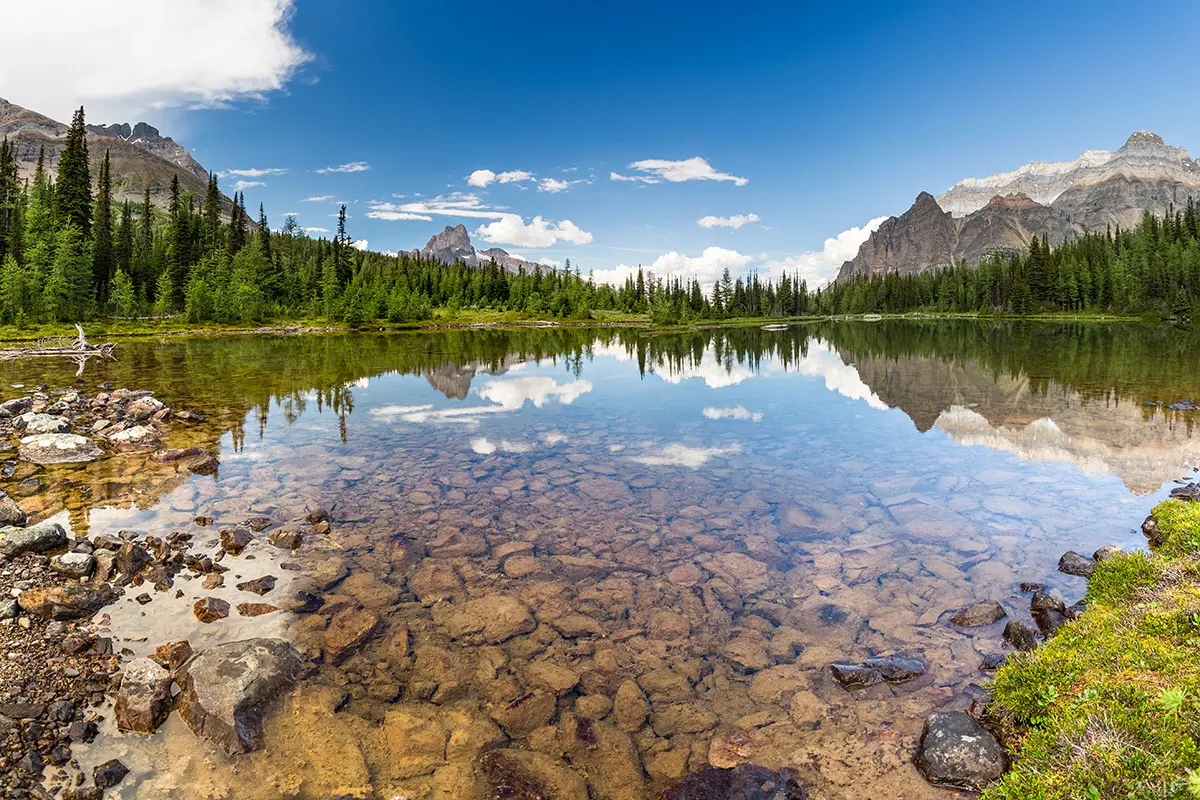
{"x": 123, "y": 247}
{"x": 68, "y": 292}
{"x": 237, "y": 225}
{"x": 12, "y": 289}
{"x": 102, "y": 233}
{"x": 73, "y": 192}
{"x": 212, "y": 216}
{"x": 341, "y": 251}
{"x": 124, "y": 300}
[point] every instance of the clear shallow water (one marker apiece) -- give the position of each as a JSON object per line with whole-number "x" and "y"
{"x": 716, "y": 516}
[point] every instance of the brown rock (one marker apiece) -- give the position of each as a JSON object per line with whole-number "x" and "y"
{"x": 979, "y": 614}
{"x": 630, "y": 707}
{"x": 347, "y": 632}
{"x": 144, "y": 699}
{"x": 235, "y": 540}
{"x": 487, "y": 620}
{"x": 682, "y": 718}
{"x": 435, "y": 582}
{"x": 255, "y": 609}
{"x": 258, "y": 586}
{"x": 528, "y": 775}
{"x": 210, "y": 609}
{"x": 414, "y": 741}
{"x": 747, "y": 654}
{"x": 66, "y": 602}
{"x": 172, "y": 655}
{"x": 524, "y": 715}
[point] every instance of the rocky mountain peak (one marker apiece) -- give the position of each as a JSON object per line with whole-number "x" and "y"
{"x": 147, "y": 137}
{"x": 1016, "y": 201}
{"x": 454, "y": 244}
{"x": 1144, "y": 137}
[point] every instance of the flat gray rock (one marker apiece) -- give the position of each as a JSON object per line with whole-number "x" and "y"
{"x": 34, "y": 424}
{"x": 59, "y": 448}
{"x": 35, "y": 539}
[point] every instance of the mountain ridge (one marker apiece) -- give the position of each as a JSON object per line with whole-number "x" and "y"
{"x": 1001, "y": 214}
{"x": 454, "y": 244}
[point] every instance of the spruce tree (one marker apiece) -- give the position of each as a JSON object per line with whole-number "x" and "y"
{"x": 73, "y": 192}
{"x": 212, "y": 216}
{"x": 123, "y": 246}
{"x": 67, "y": 293}
{"x": 102, "y": 233}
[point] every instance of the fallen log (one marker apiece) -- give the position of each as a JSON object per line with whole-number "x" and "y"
{"x": 78, "y": 349}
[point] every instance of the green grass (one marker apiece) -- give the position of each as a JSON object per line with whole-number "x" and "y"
{"x": 1110, "y": 707}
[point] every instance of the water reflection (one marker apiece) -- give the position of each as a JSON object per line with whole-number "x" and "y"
{"x": 714, "y": 516}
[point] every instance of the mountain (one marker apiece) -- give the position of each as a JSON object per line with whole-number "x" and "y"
{"x": 454, "y": 244}
{"x": 139, "y": 156}
{"x": 1056, "y": 202}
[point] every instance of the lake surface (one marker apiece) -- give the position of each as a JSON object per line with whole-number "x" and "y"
{"x": 714, "y": 516}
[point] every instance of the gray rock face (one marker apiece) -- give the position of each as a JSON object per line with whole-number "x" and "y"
{"x": 454, "y": 244}
{"x": 144, "y": 699}
{"x": 59, "y": 448}
{"x": 921, "y": 238}
{"x": 227, "y": 688}
{"x": 955, "y": 750}
{"x": 32, "y": 424}
{"x": 35, "y": 539}
{"x": 10, "y": 512}
{"x": 148, "y": 138}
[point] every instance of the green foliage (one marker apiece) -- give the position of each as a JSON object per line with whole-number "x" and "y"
{"x": 1109, "y": 705}
{"x": 124, "y": 300}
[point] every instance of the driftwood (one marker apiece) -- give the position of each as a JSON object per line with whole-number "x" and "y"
{"x": 78, "y": 349}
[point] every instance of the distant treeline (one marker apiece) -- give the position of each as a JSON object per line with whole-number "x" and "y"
{"x": 1154, "y": 268}
{"x": 67, "y": 252}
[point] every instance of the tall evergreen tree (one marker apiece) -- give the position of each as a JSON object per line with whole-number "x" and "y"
{"x": 102, "y": 233}
{"x": 73, "y": 192}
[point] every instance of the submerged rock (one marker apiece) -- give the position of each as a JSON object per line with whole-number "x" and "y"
{"x": 743, "y": 782}
{"x": 1073, "y": 563}
{"x": 226, "y": 690}
{"x": 59, "y": 448}
{"x": 144, "y": 699}
{"x": 488, "y": 620}
{"x": 33, "y": 424}
{"x": 529, "y": 775}
{"x": 139, "y": 437}
{"x": 979, "y": 614}
{"x": 35, "y": 539}
{"x": 896, "y": 668}
{"x": 955, "y": 750}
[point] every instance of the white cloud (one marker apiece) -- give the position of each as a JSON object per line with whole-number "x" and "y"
{"x": 691, "y": 169}
{"x": 554, "y": 437}
{"x": 187, "y": 54}
{"x": 513, "y": 394}
{"x": 819, "y": 266}
{"x": 315, "y": 229}
{"x": 485, "y": 446}
{"x": 735, "y": 222}
{"x": 508, "y": 228}
{"x": 549, "y": 262}
{"x": 353, "y": 166}
{"x": 706, "y": 267}
{"x": 360, "y": 244}
{"x": 253, "y": 172}
{"x": 716, "y": 373}
{"x": 516, "y": 176}
{"x": 318, "y": 198}
{"x": 511, "y": 229}
{"x": 737, "y": 412}
{"x": 680, "y": 455}
{"x": 616, "y": 176}
{"x": 553, "y": 185}
{"x": 481, "y": 178}
{"x": 242, "y": 186}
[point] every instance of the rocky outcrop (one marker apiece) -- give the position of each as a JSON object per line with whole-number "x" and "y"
{"x": 1056, "y": 202}
{"x": 148, "y": 138}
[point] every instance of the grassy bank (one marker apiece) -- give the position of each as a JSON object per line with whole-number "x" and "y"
{"x": 98, "y": 330}
{"x": 1110, "y": 707}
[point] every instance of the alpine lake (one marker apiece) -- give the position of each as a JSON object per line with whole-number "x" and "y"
{"x": 633, "y": 554}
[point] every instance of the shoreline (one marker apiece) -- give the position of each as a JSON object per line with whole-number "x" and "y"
{"x": 10, "y": 335}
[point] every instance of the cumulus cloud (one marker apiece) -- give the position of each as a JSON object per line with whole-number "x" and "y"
{"x": 482, "y": 178}
{"x": 513, "y": 394}
{"x": 188, "y": 54}
{"x": 253, "y": 172}
{"x": 819, "y": 266}
{"x": 656, "y": 170}
{"x": 353, "y": 166}
{"x": 735, "y": 222}
{"x": 241, "y": 186}
{"x": 511, "y": 229}
{"x": 553, "y": 185}
{"x": 706, "y": 267}
{"x": 737, "y": 412}
{"x": 681, "y": 455}
{"x": 507, "y": 228}
{"x": 360, "y": 244}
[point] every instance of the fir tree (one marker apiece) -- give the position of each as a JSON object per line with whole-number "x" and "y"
{"x": 102, "y": 233}
{"x": 67, "y": 294}
{"x": 73, "y": 192}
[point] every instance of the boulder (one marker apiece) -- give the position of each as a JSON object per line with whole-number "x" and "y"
{"x": 18, "y": 405}
{"x": 35, "y": 539}
{"x": 1073, "y": 563}
{"x": 488, "y": 620}
{"x": 144, "y": 699}
{"x": 109, "y": 774}
{"x": 957, "y": 751}
{"x": 70, "y": 601}
{"x": 235, "y": 540}
{"x": 73, "y": 565}
{"x": 58, "y": 448}
{"x": 743, "y": 782}
{"x": 226, "y": 690}
{"x": 10, "y": 512}
{"x": 210, "y": 609}
{"x": 527, "y": 713}
{"x": 258, "y": 586}
{"x": 1020, "y": 635}
{"x": 979, "y": 614}
{"x": 32, "y": 424}
{"x": 139, "y": 437}
{"x": 896, "y": 668}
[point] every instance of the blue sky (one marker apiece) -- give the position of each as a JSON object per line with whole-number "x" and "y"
{"x": 813, "y": 118}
